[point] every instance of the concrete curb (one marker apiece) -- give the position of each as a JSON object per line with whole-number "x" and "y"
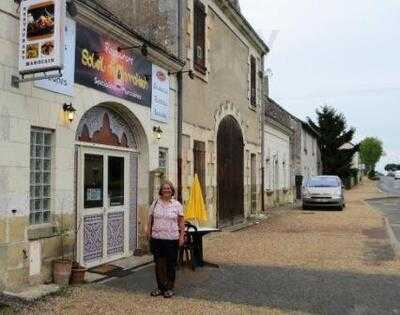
{"x": 109, "y": 278}
{"x": 393, "y": 240}
{"x": 32, "y": 294}
{"x": 253, "y": 221}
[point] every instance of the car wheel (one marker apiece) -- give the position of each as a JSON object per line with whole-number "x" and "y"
{"x": 340, "y": 208}
{"x": 304, "y": 207}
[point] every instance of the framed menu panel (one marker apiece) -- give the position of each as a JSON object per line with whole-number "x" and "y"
{"x": 41, "y": 42}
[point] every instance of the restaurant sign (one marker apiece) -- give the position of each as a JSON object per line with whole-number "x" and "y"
{"x": 65, "y": 83}
{"x": 41, "y": 43}
{"x": 99, "y": 65}
{"x": 160, "y": 94}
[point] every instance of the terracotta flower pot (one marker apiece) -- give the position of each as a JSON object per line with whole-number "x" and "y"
{"x": 78, "y": 275}
{"x": 62, "y": 271}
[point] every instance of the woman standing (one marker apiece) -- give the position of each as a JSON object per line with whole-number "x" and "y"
{"x": 166, "y": 232}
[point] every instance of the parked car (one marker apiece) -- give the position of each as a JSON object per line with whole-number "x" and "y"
{"x": 397, "y": 175}
{"x": 323, "y": 191}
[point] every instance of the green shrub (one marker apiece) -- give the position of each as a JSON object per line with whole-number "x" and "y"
{"x": 371, "y": 174}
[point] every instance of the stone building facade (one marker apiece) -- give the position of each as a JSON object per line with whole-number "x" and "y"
{"x": 278, "y": 134}
{"x": 222, "y": 78}
{"x": 58, "y": 174}
{"x": 306, "y": 156}
{"x": 92, "y": 177}
{"x": 222, "y": 110}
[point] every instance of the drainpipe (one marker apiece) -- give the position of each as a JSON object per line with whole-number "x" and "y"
{"x": 180, "y": 101}
{"x": 266, "y": 92}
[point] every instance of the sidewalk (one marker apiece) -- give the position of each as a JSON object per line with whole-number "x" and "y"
{"x": 296, "y": 262}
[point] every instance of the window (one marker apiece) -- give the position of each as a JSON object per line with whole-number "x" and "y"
{"x": 163, "y": 160}
{"x": 313, "y": 144}
{"x": 253, "y": 81}
{"x": 305, "y": 142}
{"x": 199, "y": 37}
{"x": 199, "y": 165}
{"x": 40, "y": 176}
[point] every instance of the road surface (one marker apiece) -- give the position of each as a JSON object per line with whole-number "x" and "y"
{"x": 390, "y": 206}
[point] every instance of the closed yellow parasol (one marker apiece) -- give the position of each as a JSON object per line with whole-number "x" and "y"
{"x": 195, "y": 208}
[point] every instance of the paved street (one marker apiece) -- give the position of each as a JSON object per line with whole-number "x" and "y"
{"x": 389, "y": 185}
{"x": 296, "y": 262}
{"x": 390, "y": 207}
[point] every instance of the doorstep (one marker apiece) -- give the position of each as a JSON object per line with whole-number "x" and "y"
{"x": 127, "y": 264}
{"x": 32, "y": 294}
{"x": 253, "y": 219}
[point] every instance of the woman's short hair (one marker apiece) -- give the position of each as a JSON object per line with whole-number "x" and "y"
{"x": 166, "y": 182}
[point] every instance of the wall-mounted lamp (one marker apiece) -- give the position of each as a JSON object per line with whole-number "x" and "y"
{"x": 71, "y": 8}
{"x": 69, "y": 111}
{"x": 157, "y": 132}
{"x": 190, "y": 72}
{"x": 143, "y": 49}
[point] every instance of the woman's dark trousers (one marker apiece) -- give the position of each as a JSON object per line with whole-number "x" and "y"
{"x": 165, "y": 257}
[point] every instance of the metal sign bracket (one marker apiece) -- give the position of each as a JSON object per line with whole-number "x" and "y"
{"x": 15, "y": 80}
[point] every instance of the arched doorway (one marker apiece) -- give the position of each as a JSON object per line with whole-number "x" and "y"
{"x": 107, "y": 179}
{"x": 230, "y": 172}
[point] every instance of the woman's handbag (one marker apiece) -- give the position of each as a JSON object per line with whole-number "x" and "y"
{"x": 151, "y": 241}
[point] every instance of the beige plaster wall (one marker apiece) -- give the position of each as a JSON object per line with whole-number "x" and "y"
{"x": 27, "y": 106}
{"x": 223, "y": 90}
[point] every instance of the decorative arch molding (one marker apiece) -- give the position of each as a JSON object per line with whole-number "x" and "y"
{"x": 227, "y": 108}
{"x": 104, "y": 126}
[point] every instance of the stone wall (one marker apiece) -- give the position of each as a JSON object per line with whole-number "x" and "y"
{"x": 155, "y": 20}
{"x": 223, "y": 90}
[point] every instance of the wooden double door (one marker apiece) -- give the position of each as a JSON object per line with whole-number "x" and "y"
{"x": 230, "y": 172}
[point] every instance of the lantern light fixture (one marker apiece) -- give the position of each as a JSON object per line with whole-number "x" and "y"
{"x": 157, "y": 132}
{"x": 69, "y": 110}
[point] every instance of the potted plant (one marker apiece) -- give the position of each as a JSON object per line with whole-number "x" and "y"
{"x": 77, "y": 273}
{"x": 269, "y": 192}
{"x": 62, "y": 266}
{"x": 285, "y": 190}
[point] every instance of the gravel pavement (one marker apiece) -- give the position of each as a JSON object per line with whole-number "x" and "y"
{"x": 296, "y": 262}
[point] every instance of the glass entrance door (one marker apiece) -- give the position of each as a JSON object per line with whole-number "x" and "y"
{"x": 102, "y": 206}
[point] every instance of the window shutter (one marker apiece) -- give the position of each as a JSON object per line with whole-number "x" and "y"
{"x": 253, "y": 84}
{"x": 199, "y": 36}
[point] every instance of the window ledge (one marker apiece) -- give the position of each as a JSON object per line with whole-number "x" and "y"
{"x": 253, "y": 107}
{"x": 200, "y": 68}
{"x": 42, "y": 231}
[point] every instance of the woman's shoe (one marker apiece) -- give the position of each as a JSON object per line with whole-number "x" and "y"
{"x": 156, "y": 292}
{"x": 169, "y": 294}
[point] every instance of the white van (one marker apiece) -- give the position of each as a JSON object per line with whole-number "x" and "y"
{"x": 397, "y": 175}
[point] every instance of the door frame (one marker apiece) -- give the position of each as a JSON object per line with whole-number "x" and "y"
{"x": 105, "y": 151}
{"x": 232, "y": 128}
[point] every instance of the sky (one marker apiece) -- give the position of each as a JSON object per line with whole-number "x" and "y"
{"x": 345, "y": 54}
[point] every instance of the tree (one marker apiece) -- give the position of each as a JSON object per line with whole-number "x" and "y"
{"x": 371, "y": 150}
{"x": 333, "y": 135}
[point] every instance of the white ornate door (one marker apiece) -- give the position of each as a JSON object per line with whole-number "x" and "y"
{"x": 103, "y": 205}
